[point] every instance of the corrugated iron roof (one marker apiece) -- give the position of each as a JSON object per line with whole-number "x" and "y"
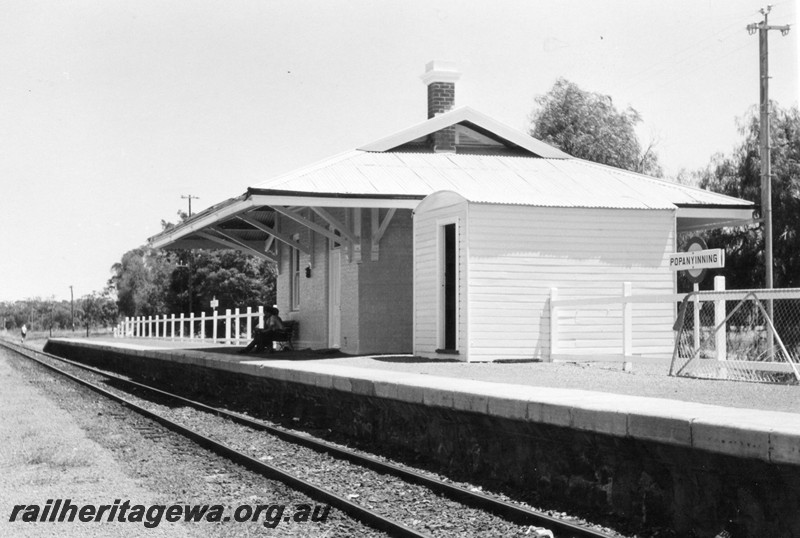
{"x": 495, "y": 179}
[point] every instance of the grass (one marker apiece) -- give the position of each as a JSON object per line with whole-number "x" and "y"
{"x": 39, "y": 448}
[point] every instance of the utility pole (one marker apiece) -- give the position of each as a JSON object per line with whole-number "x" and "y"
{"x": 190, "y": 198}
{"x": 189, "y": 260}
{"x": 766, "y": 173}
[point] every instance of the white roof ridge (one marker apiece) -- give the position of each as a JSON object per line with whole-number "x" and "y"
{"x": 458, "y": 115}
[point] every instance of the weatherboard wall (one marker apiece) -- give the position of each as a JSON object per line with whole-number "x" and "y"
{"x": 511, "y": 256}
{"x": 518, "y": 253}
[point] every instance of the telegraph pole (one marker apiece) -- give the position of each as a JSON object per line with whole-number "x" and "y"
{"x": 71, "y": 308}
{"x": 766, "y": 173}
{"x": 189, "y": 260}
{"x": 190, "y": 198}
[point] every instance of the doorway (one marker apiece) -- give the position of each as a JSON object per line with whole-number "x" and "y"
{"x": 449, "y": 288}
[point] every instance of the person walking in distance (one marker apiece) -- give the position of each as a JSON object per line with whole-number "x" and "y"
{"x": 24, "y": 331}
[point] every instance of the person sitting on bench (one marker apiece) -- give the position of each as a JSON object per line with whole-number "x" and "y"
{"x": 263, "y": 338}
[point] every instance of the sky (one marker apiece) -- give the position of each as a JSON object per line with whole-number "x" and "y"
{"x": 111, "y": 111}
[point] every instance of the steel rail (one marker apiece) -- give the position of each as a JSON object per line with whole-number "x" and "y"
{"x": 507, "y": 510}
{"x": 358, "y": 512}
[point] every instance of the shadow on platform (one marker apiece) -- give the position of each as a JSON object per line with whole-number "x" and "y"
{"x": 289, "y": 355}
{"x": 407, "y": 359}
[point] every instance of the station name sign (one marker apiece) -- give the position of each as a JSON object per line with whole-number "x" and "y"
{"x": 697, "y": 259}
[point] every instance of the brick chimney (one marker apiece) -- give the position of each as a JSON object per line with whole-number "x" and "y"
{"x": 440, "y": 77}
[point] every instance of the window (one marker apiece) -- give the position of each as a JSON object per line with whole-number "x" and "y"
{"x": 294, "y": 275}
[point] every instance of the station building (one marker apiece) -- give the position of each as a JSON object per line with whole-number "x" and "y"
{"x": 445, "y": 239}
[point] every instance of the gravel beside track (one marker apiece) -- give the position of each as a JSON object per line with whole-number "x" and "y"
{"x": 176, "y": 469}
{"x": 409, "y": 504}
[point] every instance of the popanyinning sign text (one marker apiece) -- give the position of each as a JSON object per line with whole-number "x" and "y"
{"x": 697, "y": 259}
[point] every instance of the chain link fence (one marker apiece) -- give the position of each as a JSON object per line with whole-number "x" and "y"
{"x": 741, "y": 335}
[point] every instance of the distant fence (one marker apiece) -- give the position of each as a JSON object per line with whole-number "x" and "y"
{"x": 625, "y": 327}
{"x": 233, "y": 327}
{"x": 741, "y": 335}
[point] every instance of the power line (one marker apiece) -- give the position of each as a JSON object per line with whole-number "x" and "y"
{"x": 687, "y": 53}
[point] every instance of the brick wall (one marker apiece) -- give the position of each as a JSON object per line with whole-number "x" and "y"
{"x": 386, "y": 288}
{"x": 376, "y": 305}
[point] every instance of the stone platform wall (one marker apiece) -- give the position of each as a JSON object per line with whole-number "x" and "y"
{"x": 630, "y": 484}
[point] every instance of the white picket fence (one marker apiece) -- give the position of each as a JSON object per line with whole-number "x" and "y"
{"x": 625, "y": 327}
{"x": 234, "y": 327}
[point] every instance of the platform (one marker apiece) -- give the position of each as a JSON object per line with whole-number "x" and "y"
{"x": 746, "y": 420}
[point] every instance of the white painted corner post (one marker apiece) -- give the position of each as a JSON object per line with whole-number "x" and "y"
{"x": 553, "y": 324}
{"x": 627, "y": 321}
{"x": 181, "y": 324}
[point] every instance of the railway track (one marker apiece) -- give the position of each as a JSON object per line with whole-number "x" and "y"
{"x": 532, "y": 522}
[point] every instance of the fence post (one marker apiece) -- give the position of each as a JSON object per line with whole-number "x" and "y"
{"x": 202, "y": 325}
{"x": 191, "y": 325}
{"x": 261, "y": 316}
{"x": 627, "y": 322}
{"x": 696, "y": 330}
{"x": 249, "y": 322}
{"x": 180, "y": 324}
{"x": 237, "y": 325}
{"x": 228, "y": 326}
{"x": 215, "y": 317}
{"x": 720, "y": 314}
{"x": 553, "y": 324}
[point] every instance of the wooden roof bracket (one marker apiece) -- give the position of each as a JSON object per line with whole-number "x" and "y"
{"x": 378, "y": 228}
{"x": 234, "y": 243}
{"x": 274, "y": 234}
